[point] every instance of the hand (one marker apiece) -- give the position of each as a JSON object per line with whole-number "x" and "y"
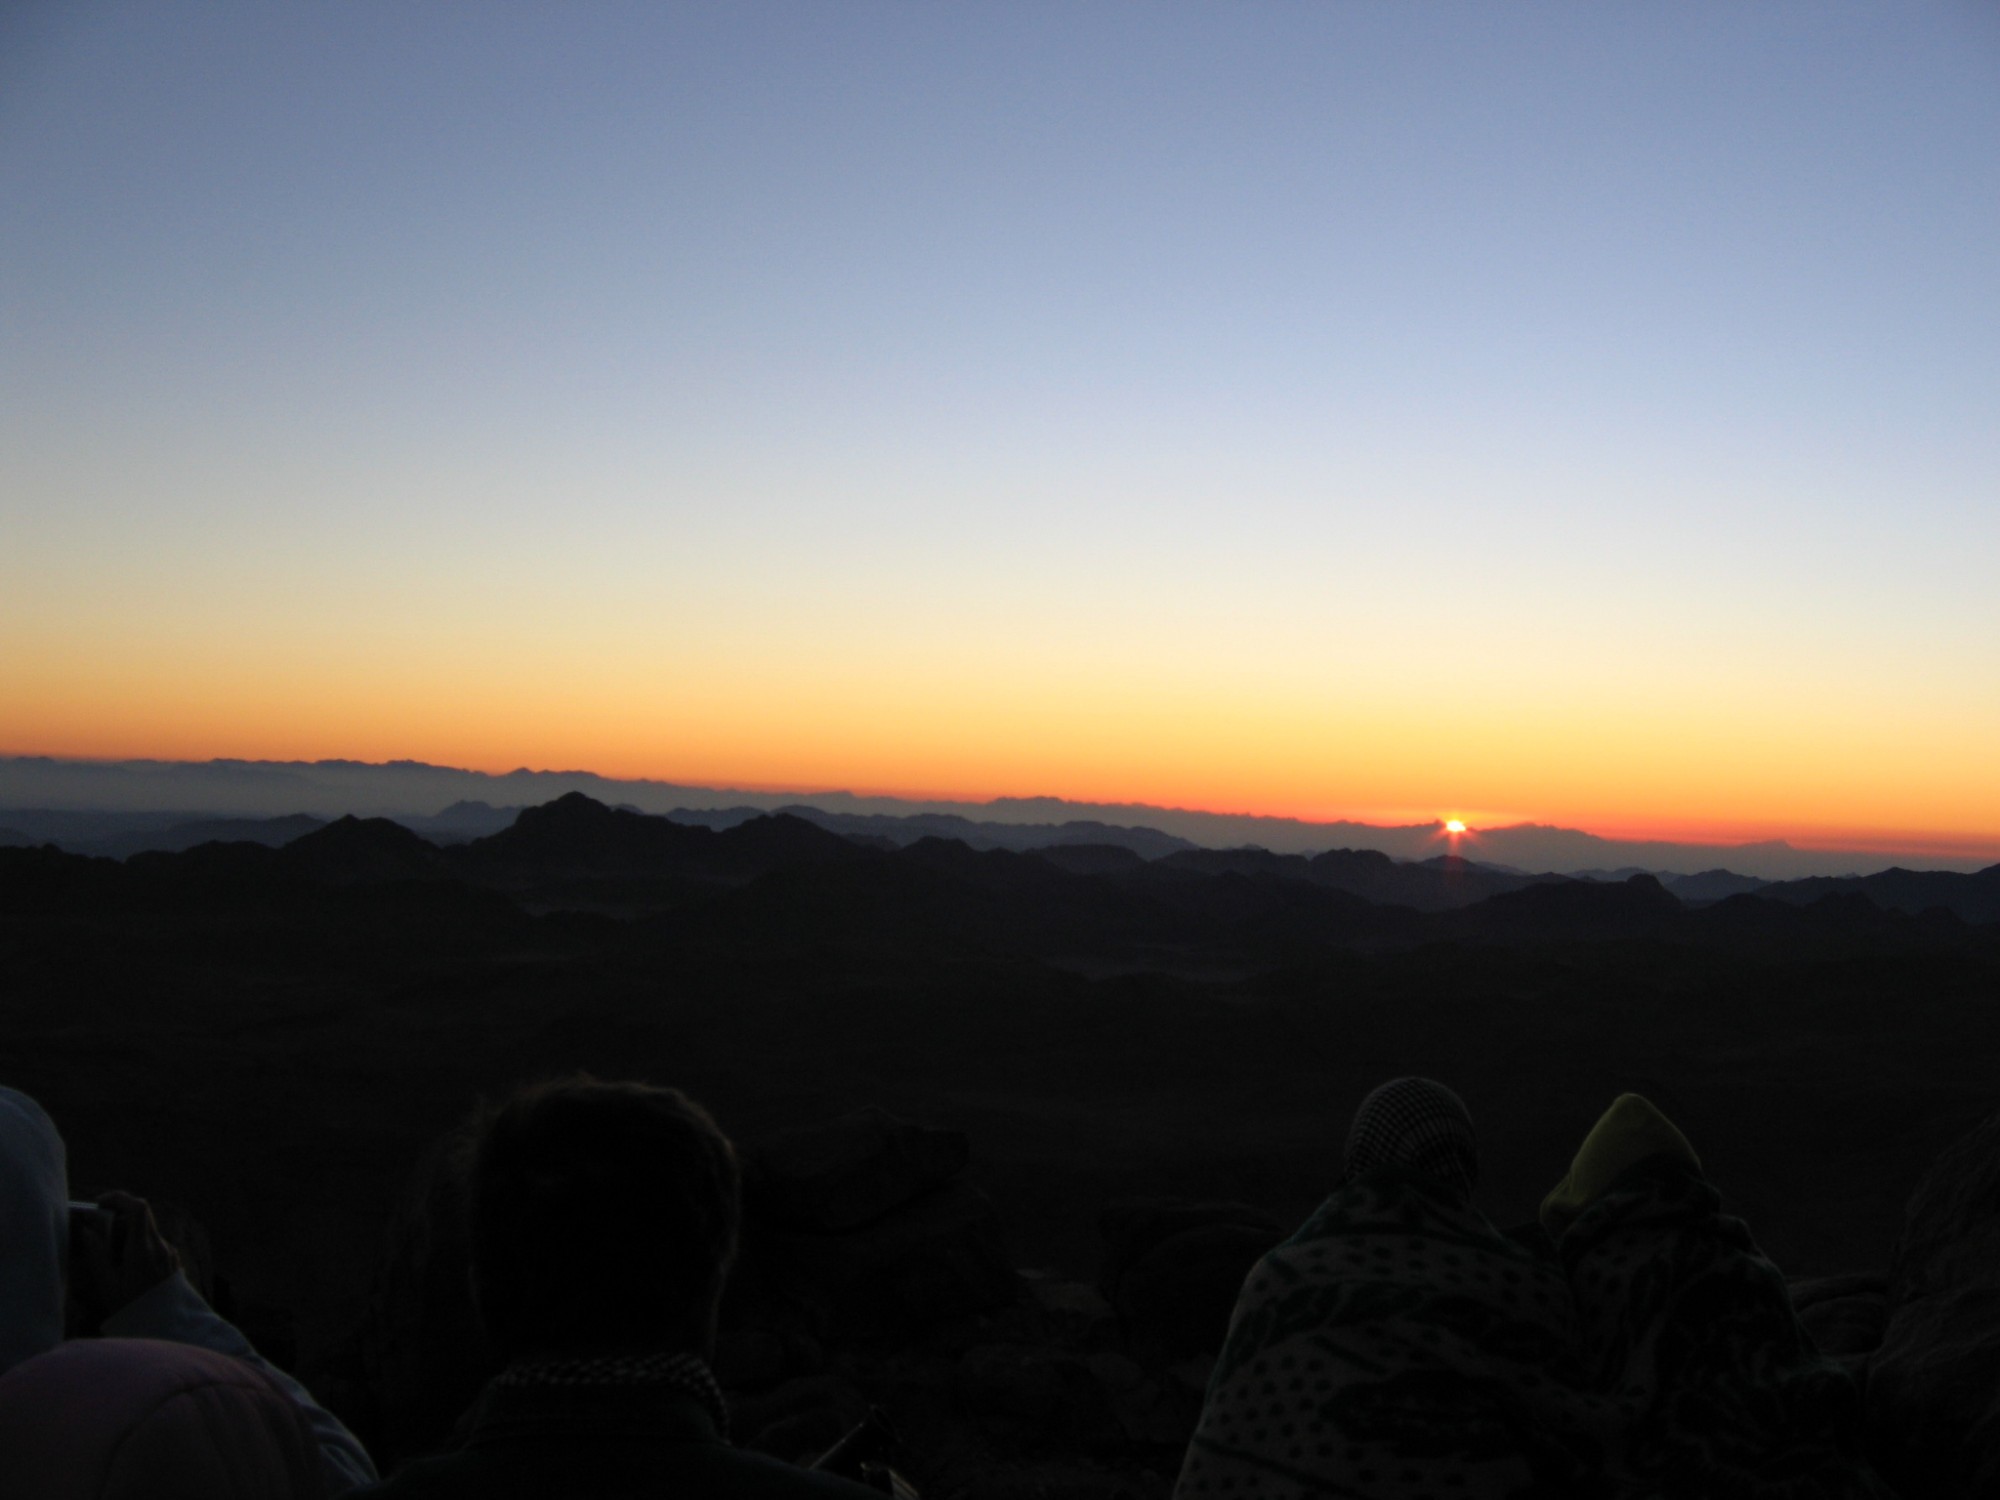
{"x": 116, "y": 1256}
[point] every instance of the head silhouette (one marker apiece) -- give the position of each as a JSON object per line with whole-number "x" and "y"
{"x": 603, "y": 1218}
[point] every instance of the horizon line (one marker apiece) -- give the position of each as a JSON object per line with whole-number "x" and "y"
{"x": 1920, "y": 843}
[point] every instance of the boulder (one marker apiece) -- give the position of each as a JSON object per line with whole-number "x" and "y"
{"x": 1933, "y": 1387}
{"x": 1131, "y": 1227}
{"x": 1151, "y": 1410}
{"x": 753, "y": 1358}
{"x": 1172, "y": 1269}
{"x": 1073, "y": 1311}
{"x": 847, "y": 1172}
{"x": 1046, "y": 1391}
{"x": 938, "y": 1257}
{"x": 799, "y": 1420}
{"x": 1844, "y": 1315}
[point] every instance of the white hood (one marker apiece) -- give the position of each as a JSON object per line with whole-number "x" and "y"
{"x": 34, "y": 1230}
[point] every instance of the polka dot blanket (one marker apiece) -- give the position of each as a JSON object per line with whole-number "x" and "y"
{"x": 1400, "y": 1347}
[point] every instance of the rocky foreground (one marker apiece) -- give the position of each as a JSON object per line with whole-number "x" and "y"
{"x": 272, "y": 1036}
{"x": 875, "y": 1273}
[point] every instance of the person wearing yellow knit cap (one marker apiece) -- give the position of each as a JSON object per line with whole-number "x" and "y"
{"x": 1685, "y": 1323}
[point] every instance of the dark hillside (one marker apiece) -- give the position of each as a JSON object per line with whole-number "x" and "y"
{"x": 1975, "y": 898}
{"x": 575, "y": 834}
{"x": 1091, "y": 859}
{"x": 1434, "y": 885}
{"x": 1570, "y": 911}
{"x": 271, "y": 1038}
{"x": 351, "y": 850}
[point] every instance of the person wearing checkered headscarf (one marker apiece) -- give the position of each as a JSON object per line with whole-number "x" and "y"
{"x": 1418, "y": 1124}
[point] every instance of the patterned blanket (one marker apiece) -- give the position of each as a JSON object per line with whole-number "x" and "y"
{"x": 1688, "y": 1326}
{"x": 1399, "y": 1346}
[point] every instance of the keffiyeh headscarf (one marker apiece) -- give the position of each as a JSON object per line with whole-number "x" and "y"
{"x": 1416, "y": 1123}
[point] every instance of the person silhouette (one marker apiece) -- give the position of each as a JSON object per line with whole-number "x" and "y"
{"x": 106, "y": 1267}
{"x": 603, "y": 1224}
{"x": 1399, "y": 1344}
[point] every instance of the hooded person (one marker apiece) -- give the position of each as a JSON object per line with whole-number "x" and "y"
{"x": 1691, "y": 1326}
{"x": 142, "y": 1419}
{"x": 34, "y": 1230}
{"x": 126, "y": 1279}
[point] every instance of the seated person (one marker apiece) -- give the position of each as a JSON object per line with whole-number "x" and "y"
{"x": 120, "y": 1276}
{"x": 603, "y": 1224}
{"x": 1684, "y": 1321}
{"x": 138, "y": 1419}
{"x": 1399, "y": 1344}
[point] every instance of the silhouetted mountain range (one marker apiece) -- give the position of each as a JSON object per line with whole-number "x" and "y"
{"x": 117, "y": 835}
{"x": 780, "y": 881}
{"x": 37, "y": 793}
{"x": 1149, "y": 843}
{"x": 1975, "y": 897}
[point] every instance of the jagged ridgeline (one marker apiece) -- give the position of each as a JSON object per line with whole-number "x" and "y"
{"x": 119, "y": 807}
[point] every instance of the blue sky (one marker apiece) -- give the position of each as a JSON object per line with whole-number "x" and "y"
{"x": 1601, "y": 369}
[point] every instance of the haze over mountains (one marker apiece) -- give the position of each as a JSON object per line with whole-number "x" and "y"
{"x": 117, "y": 807}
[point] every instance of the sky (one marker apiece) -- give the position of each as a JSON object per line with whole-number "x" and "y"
{"x": 1581, "y": 414}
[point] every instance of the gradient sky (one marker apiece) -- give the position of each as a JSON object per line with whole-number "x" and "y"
{"x": 1579, "y": 413}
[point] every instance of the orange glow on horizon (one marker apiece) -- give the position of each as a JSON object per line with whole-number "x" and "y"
{"x": 1140, "y": 792}
{"x": 1225, "y": 743}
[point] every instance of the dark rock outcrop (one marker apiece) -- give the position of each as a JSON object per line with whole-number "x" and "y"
{"x": 1845, "y": 1315}
{"x": 1172, "y": 1269}
{"x": 1045, "y": 1390}
{"x": 847, "y": 1172}
{"x": 1934, "y": 1384}
{"x": 940, "y": 1256}
{"x": 863, "y": 1228}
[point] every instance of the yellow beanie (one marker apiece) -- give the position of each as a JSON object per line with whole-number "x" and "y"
{"x": 1624, "y": 1135}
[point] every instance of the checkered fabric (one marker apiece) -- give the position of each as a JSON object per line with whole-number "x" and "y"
{"x": 1414, "y": 1122}
{"x": 680, "y": 1372}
